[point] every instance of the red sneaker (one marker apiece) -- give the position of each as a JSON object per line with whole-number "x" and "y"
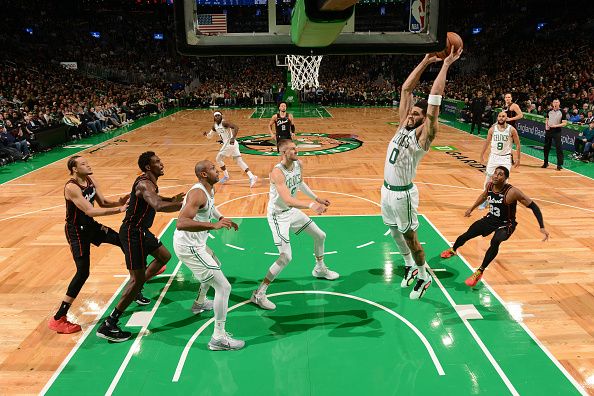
{"x": 63, "y": 326}
{"x": 163, "y": 268}
{"x": 474, "y": 278}
{"x": 447, "y": 253}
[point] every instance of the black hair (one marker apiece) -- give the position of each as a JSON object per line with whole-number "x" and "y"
{"x": 422, "y": 104}
{"x": 72, "y": 163}
{"x": 145, "y": 159}
{"x": 281, "y": 102}
{"x": 505, "y": 171}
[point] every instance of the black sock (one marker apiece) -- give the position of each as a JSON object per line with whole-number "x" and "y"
{"x": 63, "y": 310}
{"x": 114, "y": 317}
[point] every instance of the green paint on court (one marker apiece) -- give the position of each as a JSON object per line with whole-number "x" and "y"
{"x": 301, "y": 111}
{"x": 346, "y": 343}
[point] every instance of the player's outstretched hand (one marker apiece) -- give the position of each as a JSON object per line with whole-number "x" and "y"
{"x": 323, "y": 201}
{"x": 124, "y": 200}
{"x": 179, "y": 197}
{"x": 319, "y": 208}
{"x": 545, "y": 233}
{"x": 225, "y": 223}
{"x": 123, "y": 208}
{"x": 468, "y": 212}
{"x": 453, "y": 56}
{"x": 432, "y": 58}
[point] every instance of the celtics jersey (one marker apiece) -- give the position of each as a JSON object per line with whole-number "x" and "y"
{"x": 402, "y": 158}
{"x": 203, "y": 215}
{"x": 292, "y": 181}
{"x": 501, "y": 141}
{"x": 224, "y": 133}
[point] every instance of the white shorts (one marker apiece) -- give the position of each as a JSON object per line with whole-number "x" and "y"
{"x": 200, "y": 260}
{"x": 230, "y": 150}
{"x": 282, "y": 223}
{"x": 399, "y": 208}
{"x": 498, "y": 160}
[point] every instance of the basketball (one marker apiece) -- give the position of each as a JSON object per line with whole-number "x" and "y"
{"x": 453, "y": 39}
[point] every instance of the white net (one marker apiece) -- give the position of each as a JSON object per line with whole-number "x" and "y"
{"x": 304, "y": 70}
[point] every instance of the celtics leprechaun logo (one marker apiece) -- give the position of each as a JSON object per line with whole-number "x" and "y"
{"x": 307, "y": 144}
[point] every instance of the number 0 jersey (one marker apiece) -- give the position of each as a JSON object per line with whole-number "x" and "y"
{"x": 403, "y": 157}
{"x": 293, "y": 181}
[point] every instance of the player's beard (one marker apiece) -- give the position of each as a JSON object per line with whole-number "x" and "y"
{"x": 415, "y": 126}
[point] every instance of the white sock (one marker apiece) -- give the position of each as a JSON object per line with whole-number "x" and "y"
{"x": 320, "y": 261}
{"x": 226, "y": 173}
{"x": 250, "y": 174}
{"x": 262, "y": 288}
{"x": 422, "y": 271}
{"x": 408, "y": 260}
{"x": 219, "y": 329}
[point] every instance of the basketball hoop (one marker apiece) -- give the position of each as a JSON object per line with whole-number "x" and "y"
{"x": 304, "y": 70}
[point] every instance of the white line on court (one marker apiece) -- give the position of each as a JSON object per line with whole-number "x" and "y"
{"x": 526, "y": 329}
{"x": 234, "y": 247}
{"x": 394, "y": 252}
{"x": 184, "y": 355}
{"x": 90, "y": 328}
{"x": 387, "y": 232}
{"x": 136, "y": 345}
{"x": 476, "y": 337}
{"x": 365, "y": 244}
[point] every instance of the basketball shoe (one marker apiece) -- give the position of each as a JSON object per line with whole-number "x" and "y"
{"x": 321, "y": 271}
{"x": 63, "y": 326}
{"x": 473, "y": 279}
{"x": 112, "y": 332}
{"x": 225, "y": 343}
{"x": 207, "y": 305}
{"x": 409, "y": 276}
{"x": 420, "y": 287}
{"x": 262, "y": 301}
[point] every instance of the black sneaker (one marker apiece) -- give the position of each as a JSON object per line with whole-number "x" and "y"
{"x": 112, "y": 332}
{"x": 142, "y": 300}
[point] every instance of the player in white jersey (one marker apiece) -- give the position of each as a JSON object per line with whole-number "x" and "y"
{"x": 500, "y": 138}
{"x": 228, "y": 134}
{"x": 284, "y": 216}
{"x": 189, "y": 243}
{"x": 399, "y": 196}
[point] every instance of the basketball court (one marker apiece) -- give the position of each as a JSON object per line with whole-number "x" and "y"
{"x": 526, "y": 329}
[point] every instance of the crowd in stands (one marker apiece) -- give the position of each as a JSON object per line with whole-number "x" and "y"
{"x": 125, "y": 74}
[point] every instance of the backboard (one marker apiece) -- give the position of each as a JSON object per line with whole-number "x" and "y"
{"x": 263, "y": 27}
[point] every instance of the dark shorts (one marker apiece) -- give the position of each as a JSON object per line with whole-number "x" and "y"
{"x": 80, "y": 237}
{"x": 137, "y": 244}
{"x": 486, "y": 226}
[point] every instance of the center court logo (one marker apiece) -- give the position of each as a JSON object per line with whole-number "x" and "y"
{"x": 307, "y": 143}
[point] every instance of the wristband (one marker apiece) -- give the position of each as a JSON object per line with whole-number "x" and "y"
{"x": 311, "y": 205}
{"x": 434, "y": 100}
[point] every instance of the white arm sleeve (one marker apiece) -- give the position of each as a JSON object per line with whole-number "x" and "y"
{"x": 216, "y": 214}
{"x": 307, "y": 191}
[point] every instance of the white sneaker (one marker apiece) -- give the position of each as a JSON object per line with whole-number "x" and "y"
{"x": 409, "y": 276}
{"x": 253, "y": 181}
{"x": 225, "y": 343}
{"x": 205, "y": 306}
{"x": 420, "y": 287}
{"x": 262, "y": 301}
{"x": 321, "y": 271}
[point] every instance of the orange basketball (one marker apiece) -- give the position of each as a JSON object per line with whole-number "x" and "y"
{"x": 453, "y": 39}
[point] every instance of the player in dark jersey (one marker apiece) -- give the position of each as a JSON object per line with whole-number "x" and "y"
{"x": 138, "y": 242}
{"x": 80, "y": 193}
{"x": 501, "y": 219}
{"x": 513, "y": 111}
{"x": 284, "y": 127}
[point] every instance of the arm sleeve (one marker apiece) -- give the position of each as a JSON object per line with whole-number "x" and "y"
{"x": 216, "y": 214}
{"x": 537, "y": 213}
{"x": 307, "y": 191}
